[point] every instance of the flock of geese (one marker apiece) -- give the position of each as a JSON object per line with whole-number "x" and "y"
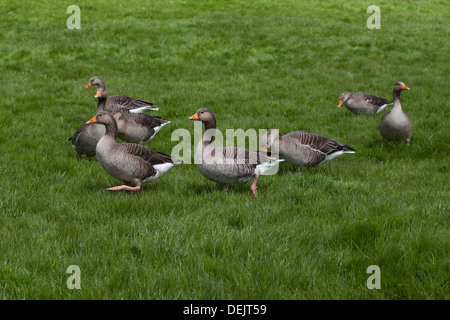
{"x": 123, "y": 117}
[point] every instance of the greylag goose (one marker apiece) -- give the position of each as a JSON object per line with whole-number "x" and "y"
{"x": 395, "y": 124}
{"x": 228, "y": 165}
{"x": 137, "y": 127}
{"x": 134, "y": 105}
{"x": 363, "y": 103}
{"x": 304, "y": 148}
{"x": 129, "y": 162}
{"x": 85, "y": 139}
{"x": 133, "y": 127}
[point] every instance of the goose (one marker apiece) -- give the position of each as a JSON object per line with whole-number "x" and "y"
{"x": 137, "y": 127}
{"x": 129, "y": 162}
{"x": 362, "y": 103}
{"x": 133, "y": 127}
{"x": 134, "y": 105}
{"x": 85, "y": 139}
{"x": 395, "y": 124}
{"x": 228, "y": 165}
{"x": 304, "y": 148}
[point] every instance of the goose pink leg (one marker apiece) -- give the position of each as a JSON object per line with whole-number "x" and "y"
{"x": 124, "y": 187}
{"x": 253, "y": 187}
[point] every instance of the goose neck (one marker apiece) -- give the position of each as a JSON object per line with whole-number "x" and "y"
{"x": 101, "y": 104}
{"x": 111, "y": 130}
{"x": 210, "y": 131}
{"x": 397, "y": 103}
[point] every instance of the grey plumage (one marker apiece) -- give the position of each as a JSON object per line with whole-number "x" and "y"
{"x": 363, "y": 103}
{"x": 129, "y": 162}
{"x": 85, "y": 139}
{"x": 132, "y": 127}
{"x": 228, "y": 165}
{"x": 395, "y": 124}
{"x": 137, "y": 127}
{"x": 130, "y": 103}
{"x": 304, "y": 148}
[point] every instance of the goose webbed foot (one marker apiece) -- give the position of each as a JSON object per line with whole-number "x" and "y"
{"x": 124, "y": 187}
{"x": 253, "y": 187}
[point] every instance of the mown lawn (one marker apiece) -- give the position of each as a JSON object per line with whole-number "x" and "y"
{"x": 310, "y": 234}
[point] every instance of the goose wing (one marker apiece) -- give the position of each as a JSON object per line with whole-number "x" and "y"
{"x": 146, "y": 120}
{"x": 146, "y": 158}
{"x": 317, "y": 142}
{"x": 129, "y": 102}
{"x": 374, "y": 100}
{"x": 148, "y": 155}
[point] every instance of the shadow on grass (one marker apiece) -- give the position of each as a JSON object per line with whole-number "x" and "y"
{"x": 388, "y": 146}
{"x": 86, "y": 159}
{"x": 376, "y": 143}
{"x": 386, "y": 151}
{"x": 217, "y": 188}
{"x": 288, "y": 168}
{"x": 205, "y": 188}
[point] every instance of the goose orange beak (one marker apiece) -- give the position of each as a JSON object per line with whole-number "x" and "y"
{"x": 340, "y": 103}
{"x": 194, "y": 117}
{"x": 89, "y": 85}
{"x": 92, "y": 120}
{"x": 265, "y": 149}
{"x": 98, "y": 94}
{"x": 405, "y": 87}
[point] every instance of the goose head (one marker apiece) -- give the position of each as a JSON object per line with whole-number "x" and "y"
{"x": 400, "y": 86}
{"x": 207, "y": 117}
{"x": 102, "y": 117}
{"x": 204, "y": 115}
{"x": 95, "y": 81}
{"x": 344, "y": 97}
{"x": 101, "y": 93}
{"x": 268, "y": 138}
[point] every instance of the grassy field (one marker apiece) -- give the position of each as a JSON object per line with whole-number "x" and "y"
{"x": 310, "y": 234}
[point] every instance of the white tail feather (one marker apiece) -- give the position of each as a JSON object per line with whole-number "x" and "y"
{"x": 383, "y": 106}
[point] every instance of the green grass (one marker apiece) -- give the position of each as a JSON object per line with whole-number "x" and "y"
{"x": 310, "y": 234}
